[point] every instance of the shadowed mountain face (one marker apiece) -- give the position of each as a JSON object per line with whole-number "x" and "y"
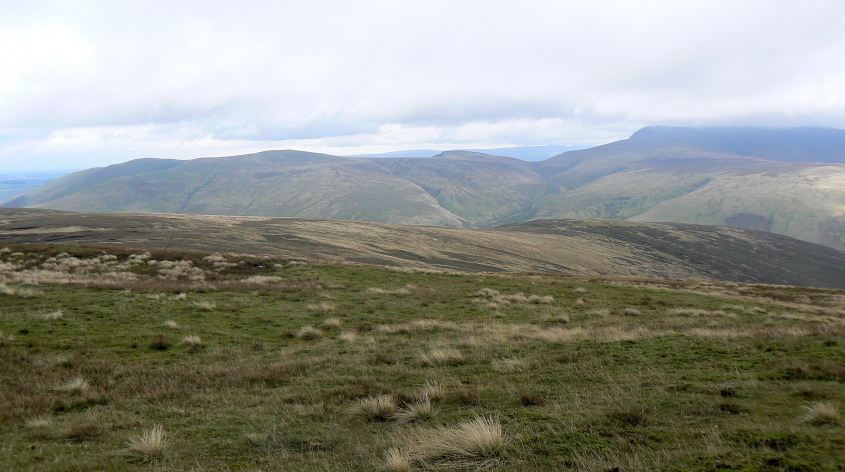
{"x": 592, "y": 247}
{"x": 787, "y": 181}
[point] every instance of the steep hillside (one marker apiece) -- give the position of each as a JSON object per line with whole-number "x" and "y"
{"x": 589, "y": 247}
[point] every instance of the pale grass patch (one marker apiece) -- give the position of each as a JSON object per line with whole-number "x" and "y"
{"x": 348, "y": 336}
{"x": 205, "y": 305}
{"x": 579, "y": 302}
{"x": 434, "y": 389}
{"x": 471, "y": 443}
{"x": 579, "y": 290}
{"x": 396, "y": 461}
{"x": 171, "y": 324}
{"x": 630, "y": 311}
{"x": 321, "y": 308}
{"x": 193, "y": 342}
{"x": 309, "y": 332}
{"x": 416, "y": 411}
{"x": 39, "y": 422}
{"x": 541, "y": 299}
{"x": 54, "y": 315}
{"x": 442, "y": 356}
{"x": 74, "y": 385}
{"x": 180, "y": 296}
{"x": 333, "y": 323}
{"x": 510, "y": 365}
{"x": 264, "y": 279}
{"x": 820, "y": 413}
{"x": 149, "y": 445}
{"x": 378, "y": 408}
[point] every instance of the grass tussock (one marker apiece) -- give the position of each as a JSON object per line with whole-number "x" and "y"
{"x": 820, "y": 413}
{"x": 149, "y": 445}
{"x": 416, "y": 411}
{"x": 309, "y": 333}
{"x": 348, "y": 336}
{"x": 75, "y": 385}
{"x": 194, "y": 343}
{"x": 433, "y": 389}
{"x": 396, "y": 461}
{"x": 442, "y": 356}
{"x": 39, "y": 422}
{"x": 205, "y": 305}
{"x": 53, "y": 315}
{"x": 171, "y": 324}
{"x": 378, "y": 408}
{"x": 321, "y": 308}
{"x": 473, "y": 443}
{"x": 332, "y": 323}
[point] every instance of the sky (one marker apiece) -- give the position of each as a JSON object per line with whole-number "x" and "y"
{"x": 92, "y": 83}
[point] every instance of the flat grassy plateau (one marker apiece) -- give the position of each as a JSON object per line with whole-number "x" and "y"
{"x": 122, "y": 360}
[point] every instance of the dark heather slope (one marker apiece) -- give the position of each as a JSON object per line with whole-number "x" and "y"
{"x": 718, "y": 252}
{"x": 589, "y": 247}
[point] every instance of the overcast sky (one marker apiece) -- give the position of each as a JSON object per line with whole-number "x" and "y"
{"x": 88, "y": 83}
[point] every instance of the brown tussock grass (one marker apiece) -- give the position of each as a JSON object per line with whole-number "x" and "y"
{"x": 378, "y": 408}
{"x": 475, "y": 443}
{"x": 149, "y": 445}
{"x": 418, "y": 410}
{"x": 309, "y": 333}
{"x": 333, "y": 323}
{"x": 442, "y": 356}
{"x": 820, "y": 413}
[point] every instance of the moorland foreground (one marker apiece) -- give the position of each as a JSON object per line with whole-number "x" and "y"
{"x": 119, "y": 359}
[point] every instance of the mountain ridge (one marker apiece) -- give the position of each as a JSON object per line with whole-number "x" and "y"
{"x": 713, "y": 176}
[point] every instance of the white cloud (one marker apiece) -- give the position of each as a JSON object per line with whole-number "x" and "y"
{"x": 212, "y": 77}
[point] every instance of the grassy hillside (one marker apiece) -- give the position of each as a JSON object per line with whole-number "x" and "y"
{"x": 165, "y": 360}
{"x": 597, "y": 247}
{"x": 723, "y": 176}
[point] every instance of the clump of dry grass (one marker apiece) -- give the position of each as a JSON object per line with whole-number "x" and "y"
{"x": 74, "y": 385}
{"x": 580, "y": 302}
{"x": 396, "y": 461}
{"x": 171, "y": 324}
{"x": 442, "y": 356}
{"x": 309, "y": 332}
{"x": 378, "y": 408}
{"x": 820, "y": 413}
{"x": 181, "y": 296}
{"x": 579, "y": 290}
{"x": 630, "y": 311}
{"x": 54, "y": 315}
{"x": 321, "y": 308}
{"x": 348, "y": 336}
{"x": 471, "y": 443}
{"x": 541, "y": 299}
{"x": 333, "y": 323}
{"x": 510, "y": 365}
{"x": 433, "y": 389}
{"x": 205, "y": 305}
{"x": 194, "y": 343}
{"x": 416, "y": 411}
{"x": 149, "y": 445}
{"x": 39, "y": 422}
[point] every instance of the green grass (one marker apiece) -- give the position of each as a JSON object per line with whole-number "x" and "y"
{"x": 644, "y": 375}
